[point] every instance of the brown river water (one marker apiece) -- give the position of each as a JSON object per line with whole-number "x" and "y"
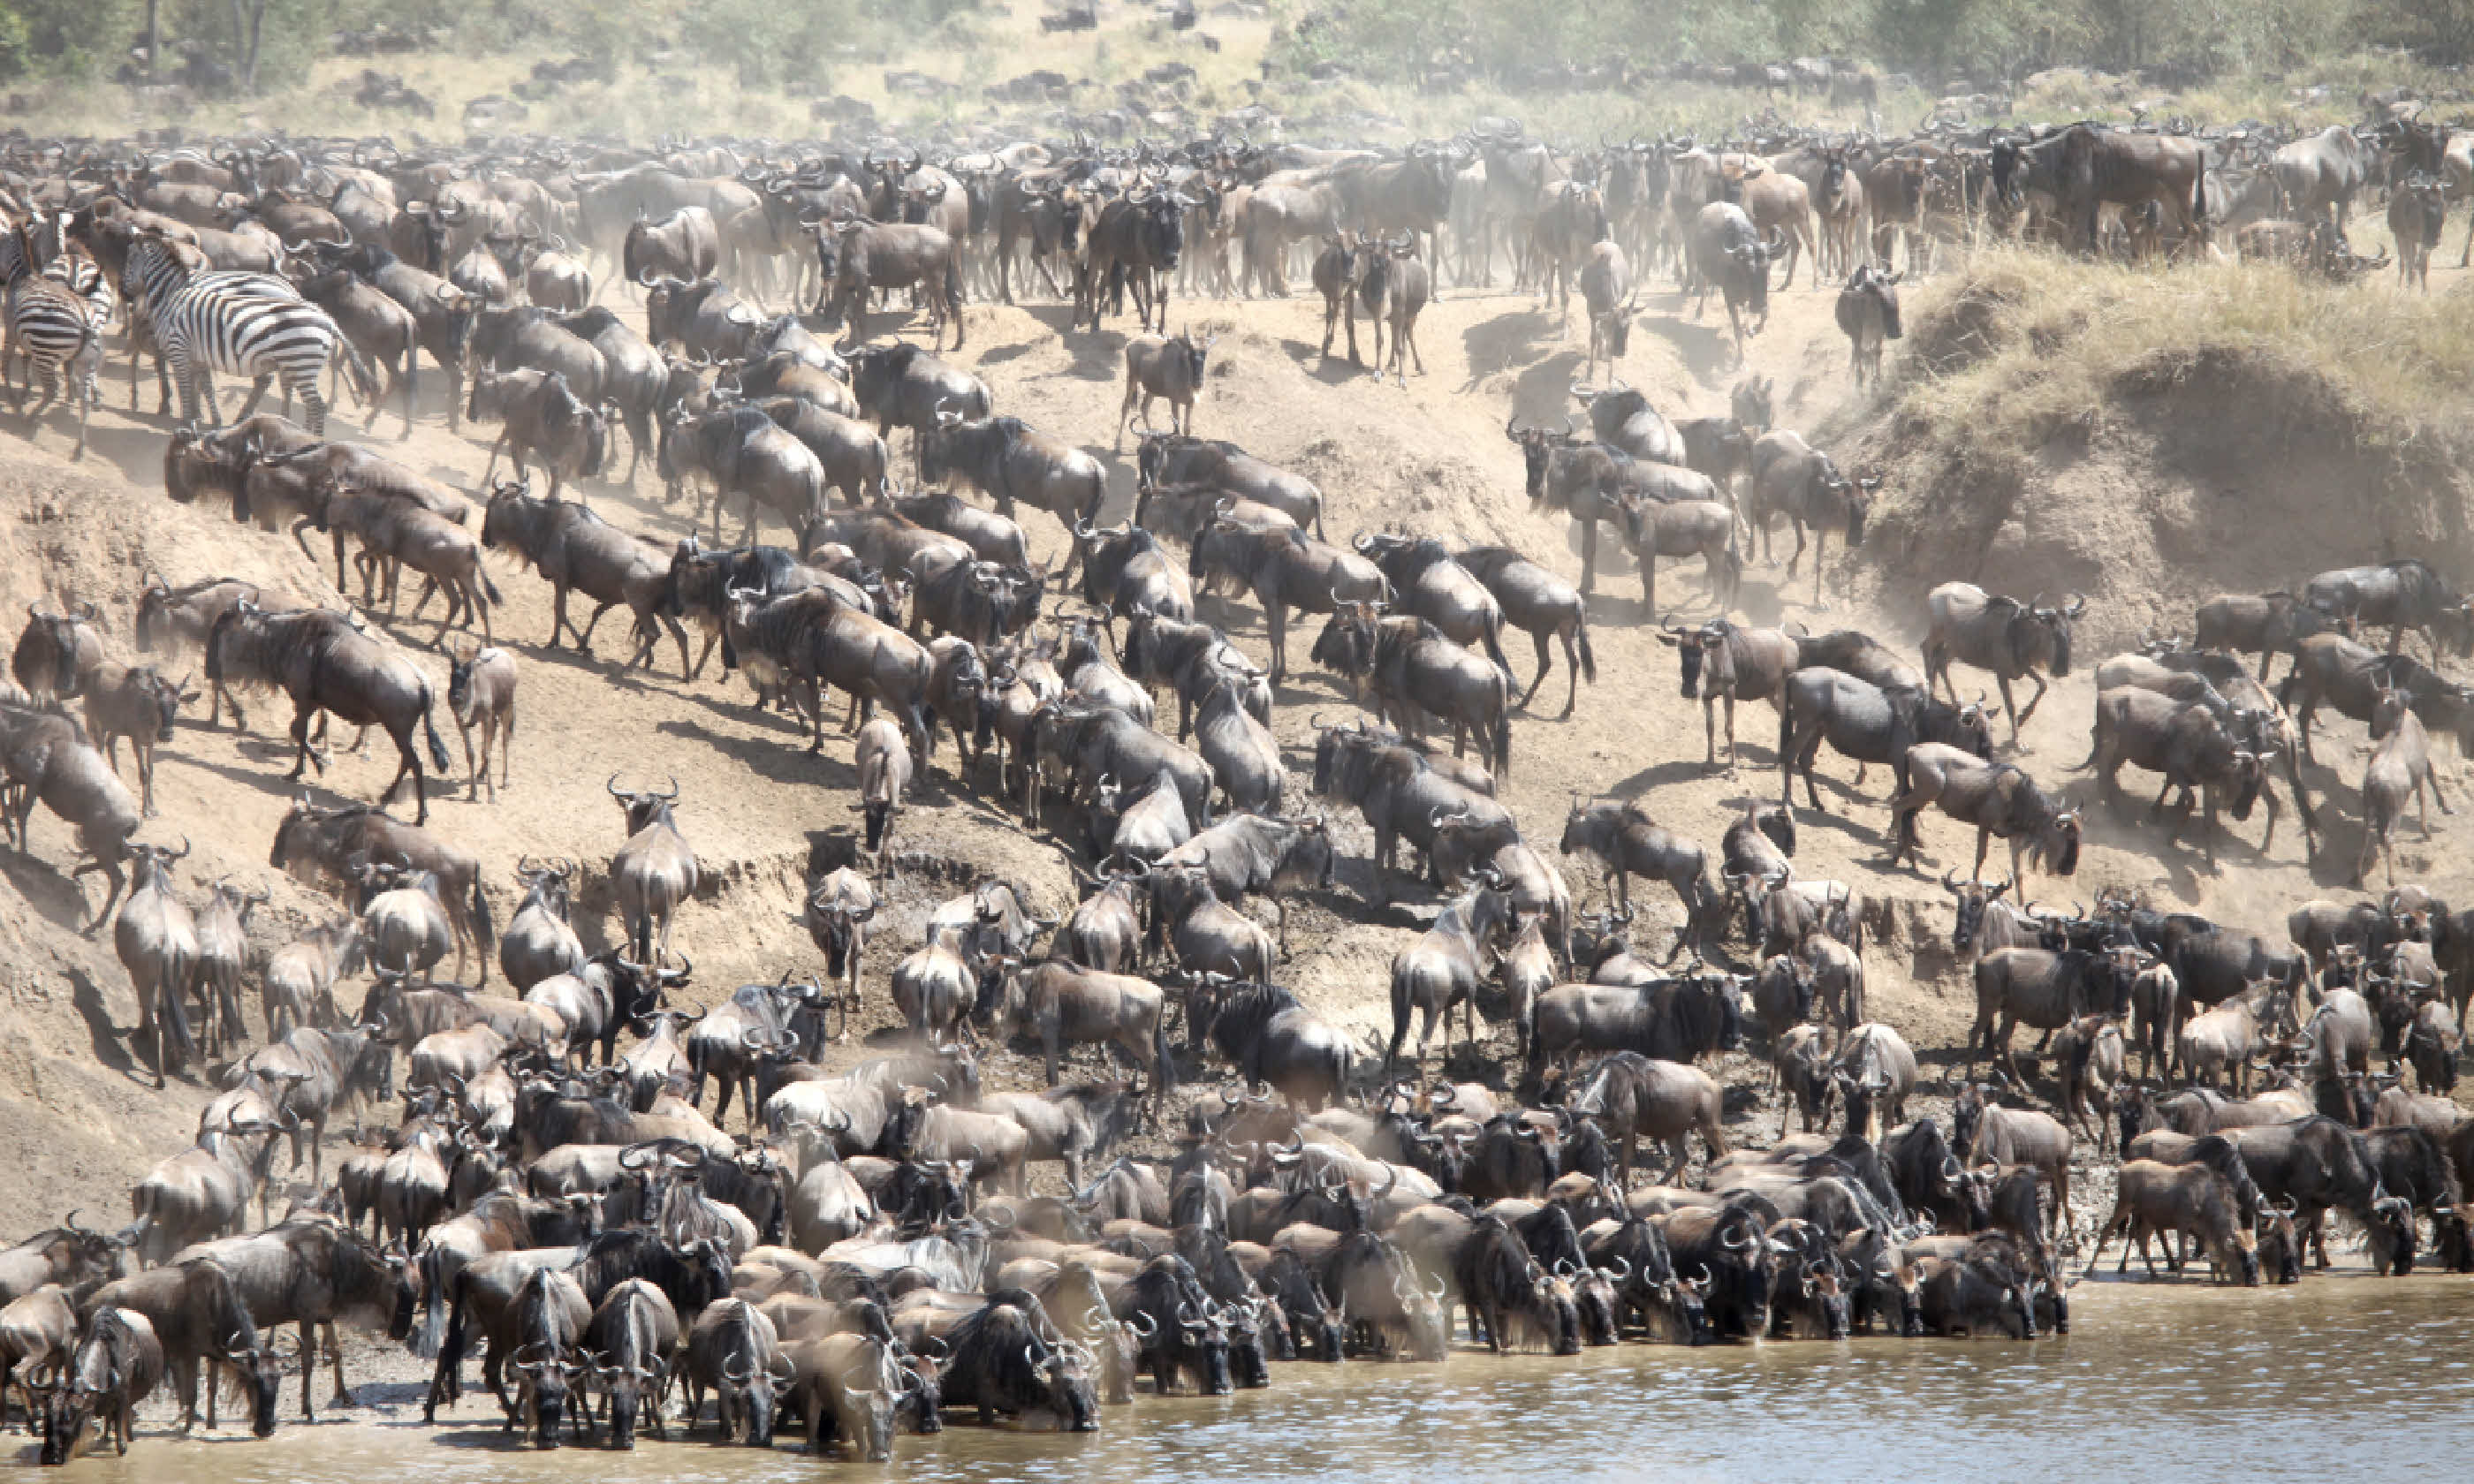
{"x": 2325, "y": 1379}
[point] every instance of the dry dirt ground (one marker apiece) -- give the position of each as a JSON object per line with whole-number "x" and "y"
{"x": 763, "y": 813}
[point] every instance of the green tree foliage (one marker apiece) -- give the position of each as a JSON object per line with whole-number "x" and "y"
{"x": 70, "y": 38}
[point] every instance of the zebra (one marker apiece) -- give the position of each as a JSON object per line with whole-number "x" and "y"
{"x": 50, "y": 325}
{"x": 246, "y": 324}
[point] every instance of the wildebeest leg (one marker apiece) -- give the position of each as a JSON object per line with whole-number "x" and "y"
{"x": 1545, "y": 663}
{"x": 1589, "y": 552}
{"x": 303, "y": 755}
{"x": 2033, "y": 701}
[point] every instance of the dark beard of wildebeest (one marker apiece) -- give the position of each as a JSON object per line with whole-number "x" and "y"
{"x": 1727, "y": 1250}
{"x": 999, "y": 1362}
{"x": 1667, "y": 1308}
{"x": 1867, "y": 722}
{"x": 322, "y": 662}
{"x": 2086, "y": 165}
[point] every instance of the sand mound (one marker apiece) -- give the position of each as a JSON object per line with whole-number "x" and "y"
{"x": 2151, "y": 440}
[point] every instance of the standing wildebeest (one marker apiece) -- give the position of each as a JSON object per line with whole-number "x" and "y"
{"x": 1069, "y": 1005}
{"x": 2001, "y": 634}
{"x": 903, "y": 385}
{"x": 1270, "y": 1038}
{"x": 198, "y": 1315}
{"x": 481, "y": 692}
{"x": 2268, "y": 624}
{"x": 2086, "y": 166}
{"x": 156, "y": 939}
{"x": 1532, "y": 598}
{"x": 1606, "y": 284}
{"x": 1868, "y": 316}
{"x": 322, "y": 662}
{"x": 1998, "y": 798}
{"x": 2399, "y": 766}
{"x": 2405, "y": 594}
{"x": 861, "y": 256}
{"x": 1983, "y": 1132}
{"x": 1157, "y": 365}
{"x": 102, "y": 1375}
{"x": 1654, "y": 528}
{"x": 1393, "y": 289}
{"x": 1443, "y": 966}
{"x": 1730, "y": 253}
{"x": 2416, "y": 211}
{"x": 1337, "y": 270}
{"x": 1625, "y": 840}
{"x": 1014, "y": 462}
{"x": 1139, "y": 236}
{"x": 1869, "y": 723}
{"x": 2186, "y": 743}
{"x": 2193, "y": 1200}
{"x": 1721, "y": 659}
{"x": 1793, "y": 479}
{"x": 1634, "y": 1096}
{"x": 139, "y": 705}
{"x": 1432, "y": 584}
{"x": 2320, "y": 177}
{"x": 1666, "y": 1019}
{"x": 1168, "y": 460}
{"x": 683, "y": 245}
{"x": 653, "y": 872}
{"x": 1283, "y": 569}
{"x": 2044, "y": 988}
{"x": 54, "y": 651}
{"x": 318, "y": 845}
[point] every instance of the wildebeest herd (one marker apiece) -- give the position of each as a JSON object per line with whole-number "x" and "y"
{"x": 864, "y": 1253}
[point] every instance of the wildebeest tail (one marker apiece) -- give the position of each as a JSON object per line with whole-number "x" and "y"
{"x": 483, "y": 930}
{"x": 488, "y": 588}
{"x": 450, "y": 1350}
{"x": 2199, "y": 192}
{"x": 172, "y": 1030}
{"x": 1494, "y": 644}
{"x": 429, "y": 730}
{"x": 1589, "y": 661}
{"x": 1159, "y": 1054}
{"x": 426, "y": 1340}
{"x": 953, "y": 280}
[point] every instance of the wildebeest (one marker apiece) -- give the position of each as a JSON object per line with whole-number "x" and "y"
{"x": 2044, "y": 988}
{"x": 1998, "y": 798}
{"x": 1869, "y": 723}
{"x": 1730, "y": 253}
{"x": 1669, "y": 1020}
{"x": 324, "y": 663}
{"x": 2154, "y": 1198}
{"x": 2001, "y": 634}
{"x": 2085, "y": 166}
{"x": 653, "y": 872}
{"x": 1156, "y": 366}
{"x": 2400, "y": 765}
{"x": 1626, "y": 840}
{"x": 1633, "y": 1096}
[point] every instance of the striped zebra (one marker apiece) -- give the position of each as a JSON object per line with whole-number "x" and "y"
{"x": 51, "y": 326}
{"x": 242, "y": 323}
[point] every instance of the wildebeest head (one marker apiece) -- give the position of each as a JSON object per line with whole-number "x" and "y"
{"x": 1973, "y": 900}
{"x": 1692, "y": 649}
{"x": 49, "y": 650}
{"x": 643, "y": 809}
{"x": 2041, "y": 626}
